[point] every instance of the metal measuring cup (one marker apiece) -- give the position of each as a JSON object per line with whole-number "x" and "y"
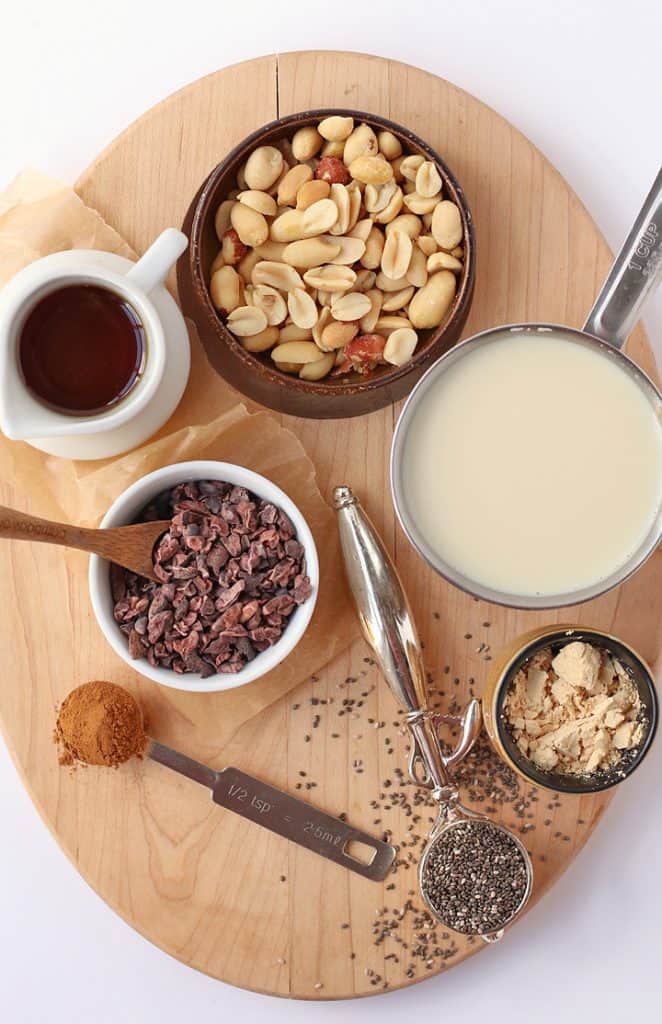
{"x": 388, "y": 626}
{"x": 636, "y": 272}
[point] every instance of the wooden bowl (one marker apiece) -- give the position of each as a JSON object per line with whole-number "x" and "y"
{"x": 256, "y": 375}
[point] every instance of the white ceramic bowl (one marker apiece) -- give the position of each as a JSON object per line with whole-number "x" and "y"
{"x": 126, "y": 508}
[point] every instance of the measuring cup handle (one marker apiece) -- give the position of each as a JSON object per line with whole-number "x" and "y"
{"x": 636, "y": 271}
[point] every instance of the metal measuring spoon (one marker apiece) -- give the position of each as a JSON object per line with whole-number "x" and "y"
{"x": 286, "y": 815}
{"x": 388, "y": 626}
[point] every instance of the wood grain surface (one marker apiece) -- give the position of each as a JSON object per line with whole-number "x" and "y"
{"x": 213, "y": 890}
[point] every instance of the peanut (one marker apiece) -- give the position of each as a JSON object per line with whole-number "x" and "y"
{"x": 232, "y": 248}
{"x": 355, "y": 201}
{"x": 417, "y": 271}
{"x": 321, "y": 216}
{"x": 397, "y": 300}
{"x": 396, "y": 165}
{"x": 336, "y": 149}
{"x": 361, "y": 229}
{"x": 271, "y": 303}
{"x": 226, "y": 290}
{"x": 333, "y": 170}
{"x": 278, "y": 275}
{"x": 216, "y": 263}
{"x": 250, "y": 225}
{"x": 289, "y": 367}
{"x": 389, "y": 145}
{"x": 349, "y": 249}
{"x": 263, "y": 167}
{"x": 428, "y": 180}
{"x": 311, "y": 192}
{"x": 336, "y": 128}
{"x": 290, "y": 332}
{"x": 416, "y": 203}
{"x": 323, "y": 319}
{"x": 351, "y": 306}
{"x": 306, "y": 142}
{"x": 396, "y": 255}
{"x": 317, "y": 369}
{"x": 247, "y": 265}
{"x": 429, "y": 306}
{"x": 443, "y": 261}
{"x": 377, "y": 197}
{"x": 409, "y": 166}
{"x": 369, "y": 319}
{"x": 426, "y": 244}
{"x": 340, "y": 196}
{"x": 302, "y": 308}
{"x": 361, "y": 142}
{"x": 407, "y": 222}
{"x": 260, "y": 201}
{"x": 400, "y": 345}
{"x": 388, "y": 284}
{"x": 365, "y": 281}
{"x": 336, "y": 334}
{"x": 222, "y": 218}
{"x": 374, "y": 248}
{"x": 330, "y": 278}
{"x": 371, "y": 169}
{"x": 392, "y": 208}
{"x": 294, "y": 225}
{"x": 299, "y": 352}
{"x": 311, "y": 252}
{"x": 387, "y": 324}
{"x": 289, "y": 186}
{"x": 262, "y": 341}
{"x": 245, "y": 321}
{"x": 447, "y": 225}
{"x": 271, "y": 251}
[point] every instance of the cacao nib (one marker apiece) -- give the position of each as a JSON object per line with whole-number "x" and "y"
{"x": 231, "y": 572}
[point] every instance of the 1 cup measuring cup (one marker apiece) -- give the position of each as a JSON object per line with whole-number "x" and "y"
{"x": 501, "y": 866}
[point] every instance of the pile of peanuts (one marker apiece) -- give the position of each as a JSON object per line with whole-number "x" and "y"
{"x": 336, "y": 249}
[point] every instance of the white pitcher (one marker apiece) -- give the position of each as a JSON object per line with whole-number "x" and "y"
{"x": 157, "y": 391}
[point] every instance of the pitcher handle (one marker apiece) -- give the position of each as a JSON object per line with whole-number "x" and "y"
{"x": 153, "y": 267}
{"x": 634, "y": 275}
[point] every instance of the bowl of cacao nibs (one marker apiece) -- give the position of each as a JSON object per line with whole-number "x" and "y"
{"x": 238, "y": 577}
{"x": 331, "y": 262}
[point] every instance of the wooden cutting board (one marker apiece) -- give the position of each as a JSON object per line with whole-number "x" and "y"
{"x": 211, "y": 889}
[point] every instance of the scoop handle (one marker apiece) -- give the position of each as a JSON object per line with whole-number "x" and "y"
{"x": 383, "y": 609}
{"x": 388, "y": 626}
{"x": 636, "y": 272}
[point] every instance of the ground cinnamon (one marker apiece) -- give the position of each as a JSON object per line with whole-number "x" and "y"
{"x": 99, "y": 723}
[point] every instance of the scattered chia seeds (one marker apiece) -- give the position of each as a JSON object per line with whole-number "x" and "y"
{"x": 475, "y": 877}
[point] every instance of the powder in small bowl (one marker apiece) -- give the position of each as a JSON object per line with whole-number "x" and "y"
{"x": 100, "y": 723}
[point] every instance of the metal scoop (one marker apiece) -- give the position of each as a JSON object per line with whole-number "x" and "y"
{"x": 389, "y": 628}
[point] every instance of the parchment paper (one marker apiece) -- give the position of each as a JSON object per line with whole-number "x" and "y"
{"x": 39, "y": 216}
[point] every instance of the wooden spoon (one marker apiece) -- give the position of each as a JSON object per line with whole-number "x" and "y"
{"x": 129, "y": 546}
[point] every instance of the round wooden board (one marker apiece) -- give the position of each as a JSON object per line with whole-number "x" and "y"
{"x": 215, "y": 891}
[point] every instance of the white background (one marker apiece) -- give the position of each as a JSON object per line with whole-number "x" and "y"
{"x": 581, "y": 79}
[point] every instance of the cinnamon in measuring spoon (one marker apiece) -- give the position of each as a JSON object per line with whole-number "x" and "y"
{"x": 99, "y": 723}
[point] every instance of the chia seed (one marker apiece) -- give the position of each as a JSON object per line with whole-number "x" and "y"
{"x": 475, "y": 877}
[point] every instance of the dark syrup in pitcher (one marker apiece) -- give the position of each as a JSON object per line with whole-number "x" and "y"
{"x": 82, "y": 349}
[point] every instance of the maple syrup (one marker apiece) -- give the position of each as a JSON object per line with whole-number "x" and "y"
{"x": 82, "y": 349}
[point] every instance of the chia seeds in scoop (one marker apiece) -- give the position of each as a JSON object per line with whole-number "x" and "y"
{"x": 475, "y": 877}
